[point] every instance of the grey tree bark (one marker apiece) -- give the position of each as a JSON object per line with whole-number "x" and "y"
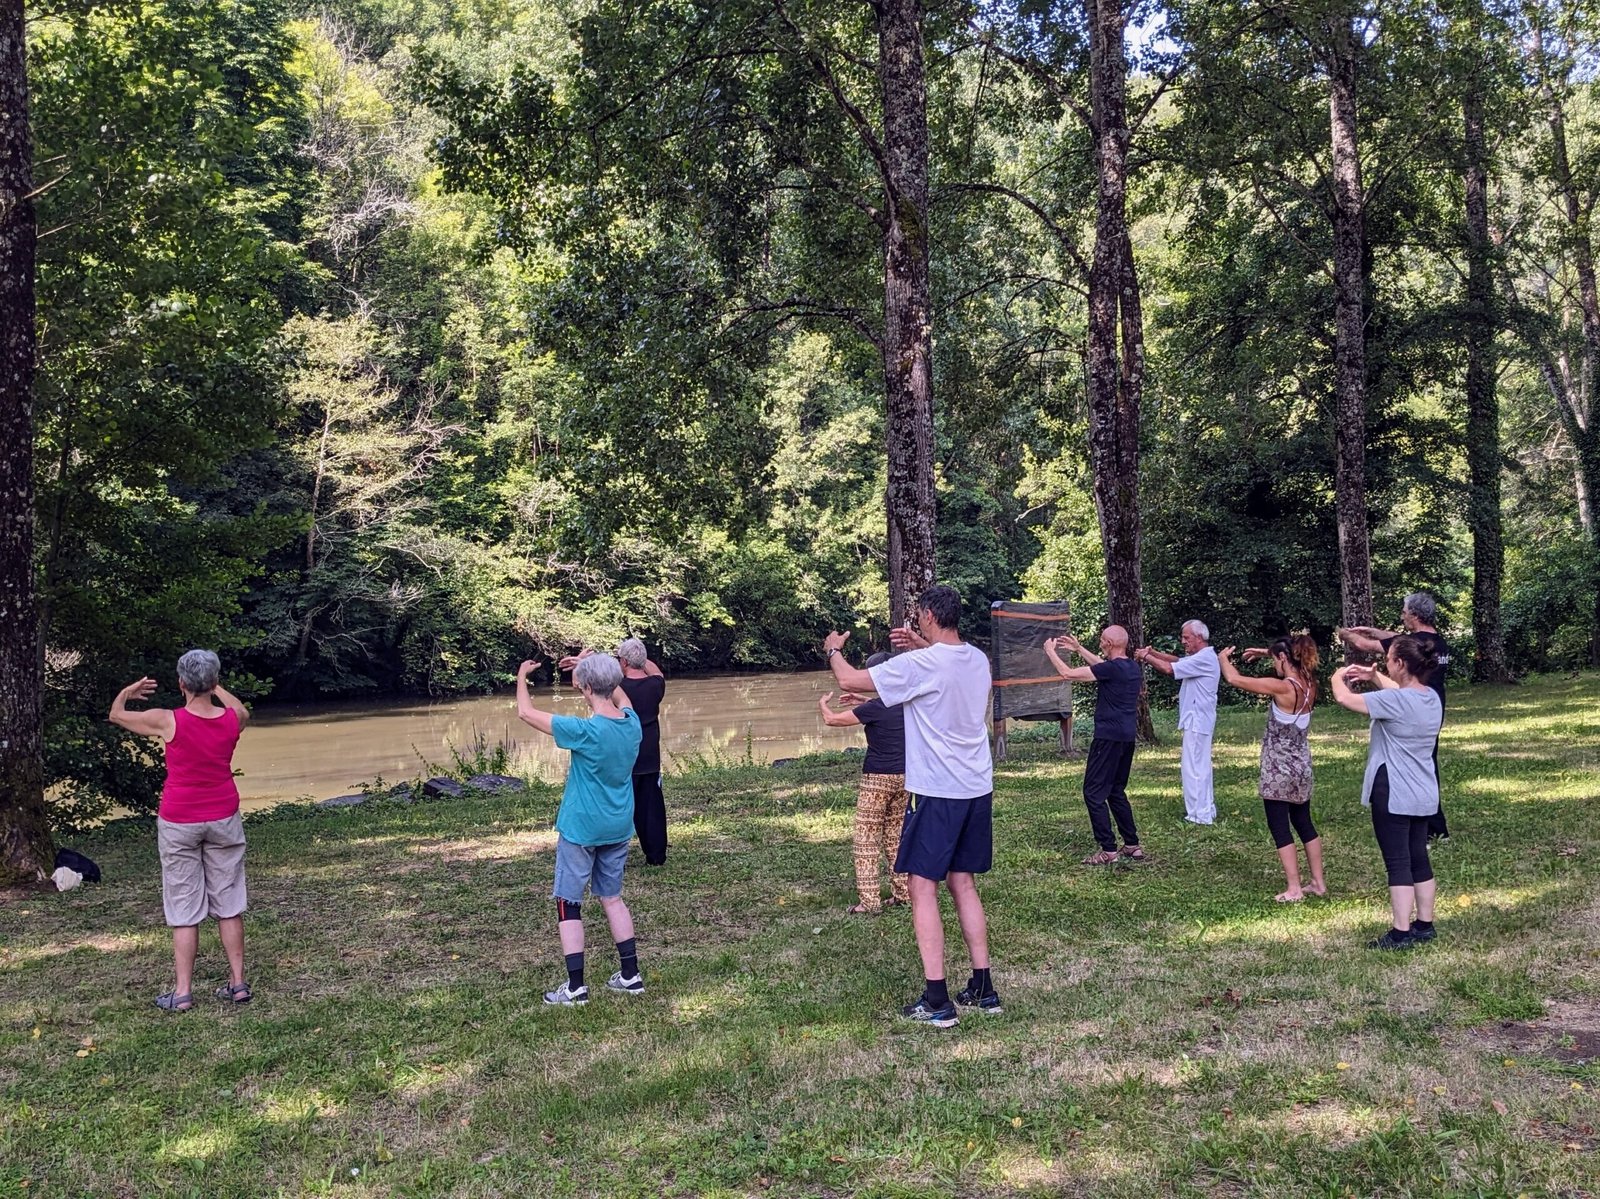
{"x": 1483, "y": 405}
{"x": 907, "y": 306}
{"x": 25, "y": 846}
{"x": 1115, "y": 347}
{"x": 1349, "y": 354}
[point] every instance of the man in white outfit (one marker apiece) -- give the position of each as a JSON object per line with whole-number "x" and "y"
{"x": 1197, "y": 672}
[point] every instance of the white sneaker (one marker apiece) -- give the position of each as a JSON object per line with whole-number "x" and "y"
{"x": 565, "y": 996}
{"x": 629, "y": 986}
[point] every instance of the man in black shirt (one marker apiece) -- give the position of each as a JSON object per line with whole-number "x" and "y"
{"x": 646, "y": 687}
{"x": 1119, "y": 682}
{"x": 1419, "y": 614}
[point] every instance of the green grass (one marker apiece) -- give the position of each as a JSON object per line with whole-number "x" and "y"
{"x": 1169, "y": 1030}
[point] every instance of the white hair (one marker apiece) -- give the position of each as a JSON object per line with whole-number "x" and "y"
{"x": 598, "y": 673}
{"x": 632, "y": 653}
{"x": 1198, "y": 628}
{"x": 199, "y": 671}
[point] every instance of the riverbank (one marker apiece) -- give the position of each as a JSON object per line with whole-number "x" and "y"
{"x": 1169, "y": 1030}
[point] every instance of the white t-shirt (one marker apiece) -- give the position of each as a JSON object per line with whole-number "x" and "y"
{"x": 945, "y": 690}
{"x": 1197, "y": 676}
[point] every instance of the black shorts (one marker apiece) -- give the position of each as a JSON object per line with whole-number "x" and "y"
{"x": 941, "y": 835}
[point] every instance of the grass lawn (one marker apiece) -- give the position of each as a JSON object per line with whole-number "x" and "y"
{"x": 1169, "y": 1030}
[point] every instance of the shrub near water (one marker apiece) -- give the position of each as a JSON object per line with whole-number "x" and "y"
{"x": 1169, "y": 1030}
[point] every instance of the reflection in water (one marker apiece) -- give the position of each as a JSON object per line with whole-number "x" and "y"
{"x": 321, "y": 750}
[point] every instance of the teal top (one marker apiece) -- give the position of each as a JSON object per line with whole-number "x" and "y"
{"x": 597, "y": 805}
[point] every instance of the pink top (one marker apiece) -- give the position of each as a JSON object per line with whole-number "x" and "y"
{"x": 200, "y": 782}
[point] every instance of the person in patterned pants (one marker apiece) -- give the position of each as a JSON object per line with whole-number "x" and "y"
{"x": 881, "y": 800}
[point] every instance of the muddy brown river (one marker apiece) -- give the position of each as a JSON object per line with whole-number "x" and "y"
{"x": 317, "y": 751}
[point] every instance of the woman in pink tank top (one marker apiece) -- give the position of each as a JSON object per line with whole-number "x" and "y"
{"x": 198, "y": 827}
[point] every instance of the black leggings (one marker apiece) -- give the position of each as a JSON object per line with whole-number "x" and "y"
{"x": 1281, "y": 815}
{"x": 1403, "y": 840}
{"x": 650, "y": 817}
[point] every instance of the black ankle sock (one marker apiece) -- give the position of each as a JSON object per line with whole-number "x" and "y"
{"x": 575, "y": 970}
{"x": 981, "y": 983}
{"x": 1421, "y": 926}
{"x": 628, "y": 953}
{"x": 935, "y": 992}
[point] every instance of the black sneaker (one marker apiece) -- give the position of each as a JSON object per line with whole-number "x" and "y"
{"x": 988, "y": 1004}
{"x": 1393, "y": 939}
{"x": 923, "y": 1013}
{"x": 1423, "y": 934}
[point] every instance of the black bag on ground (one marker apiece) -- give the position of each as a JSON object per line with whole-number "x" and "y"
{"x": 73, "y": 860}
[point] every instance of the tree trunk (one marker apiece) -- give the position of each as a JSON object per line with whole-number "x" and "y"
{"x": 907, "y": 308}
{"x": 1349, "y": 353}
{"x": 1115, "y": 354}
{"x": 1483, "y": 408}
{"x": 26, "y": 852}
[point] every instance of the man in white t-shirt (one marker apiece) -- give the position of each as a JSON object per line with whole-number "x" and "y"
{"x": 943, "y": 684}
{"x": 1197, "y": 672}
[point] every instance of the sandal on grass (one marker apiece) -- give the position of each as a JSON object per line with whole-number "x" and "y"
{"x": 859, "y": 909}
{"x": 173, "y": 1002}
{"x": 238, "y": 994}
{"x": 1285, "y": 897}
{"x": 896, "y": 903}
{"x": 1104, "y": 858}
{"x": 1133, "y": 853}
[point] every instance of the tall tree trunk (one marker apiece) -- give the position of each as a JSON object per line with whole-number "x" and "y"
{"x": 907, "y": 308}
{"x": 1115, "y": 351}
{"x": 25, "y": 847}
{"x": 1576, "y": 398}
{"x": 1483, "y": 407}
{"x": 1349, "y": 353}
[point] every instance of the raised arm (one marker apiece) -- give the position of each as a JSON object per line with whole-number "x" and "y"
{"x": 849, "y": 678}
{"x": 1073, "y": 674}
{"x": 1275, "y": 687}
{"x": 834, "y": 719}
{"x": 1154, "y": 657}
{"x": 651, "y": 668}
{"x": 1069, "y": 642}
{"x": 1365, "y": 639}
{"x": 155, "y": 722}
{"x": 229, "y": 700}
{"x": 526, "y": 712}
{"x": 1346, "y": 698}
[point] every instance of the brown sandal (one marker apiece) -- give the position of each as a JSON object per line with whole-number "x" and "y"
{"x": 859, "y": 909}
{"x": 1134, "y": 853}
{"x": 1104, "y": 858}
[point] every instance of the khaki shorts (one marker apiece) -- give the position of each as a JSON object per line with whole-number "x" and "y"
{"x": 202, "y": 869}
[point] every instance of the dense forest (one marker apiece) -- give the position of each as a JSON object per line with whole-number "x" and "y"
{"x": 382, "y": 343}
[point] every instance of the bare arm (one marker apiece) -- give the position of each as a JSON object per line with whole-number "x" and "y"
{"x": 651, "y": 668}
{"x": 155, "y": 722}
{"x": 849, "y": 678}
{"x": 1275, "y": 687}
{"x": 1073, "y": 674}
{"x": 526, "y": 712}
{"x": 1365, "y": 640}
{"x": 837, "y": 720}
{"x": 1342, "y": 694}
{"x": 229, "y": 700}
{"x": 1154, "y": 657}
{"x": 1069, "y": 642}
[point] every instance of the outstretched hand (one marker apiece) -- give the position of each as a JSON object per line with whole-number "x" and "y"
{"x": 526, "y": 669}
{"x": 834, "y": 641}
{"x": 1360, "y": 673}
{"x": 906, "y": 637}
{"x": 141, "y": 690}
{"x": 1226, "y": 655}
{"x": 1255, "y": 653}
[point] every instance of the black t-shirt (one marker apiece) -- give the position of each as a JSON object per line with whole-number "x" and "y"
{"x": 646, "y": 695}
{"x": 1435, "y": 678}
{"x": 1116, "y": 700}
{"x": 885, "y": 725}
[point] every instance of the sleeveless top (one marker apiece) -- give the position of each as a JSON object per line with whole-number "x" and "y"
{"x": 1285, "y": 751}
{"x": 200, "y": 782}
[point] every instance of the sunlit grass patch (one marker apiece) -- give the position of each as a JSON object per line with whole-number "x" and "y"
{"x": 1169, "y": 1029}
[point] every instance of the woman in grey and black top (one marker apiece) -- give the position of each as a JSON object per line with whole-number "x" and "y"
{"x": 1400, "y": 785}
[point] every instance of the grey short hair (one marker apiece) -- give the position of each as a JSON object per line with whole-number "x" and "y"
{"x": 632, "y": 653}
{"x": 598, "y": 673}
{"x": 199, "y": 671}
{"x": 1420, "y": 604}
{"x": 1198, "y": 628}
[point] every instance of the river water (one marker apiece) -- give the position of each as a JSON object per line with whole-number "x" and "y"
{"x": 317, "y": 751}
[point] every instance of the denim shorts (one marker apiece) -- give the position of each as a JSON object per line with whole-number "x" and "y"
{"x": 600, "y": 866}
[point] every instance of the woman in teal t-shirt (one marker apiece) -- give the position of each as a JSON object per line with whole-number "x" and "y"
{"x": 595, "y": 821}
